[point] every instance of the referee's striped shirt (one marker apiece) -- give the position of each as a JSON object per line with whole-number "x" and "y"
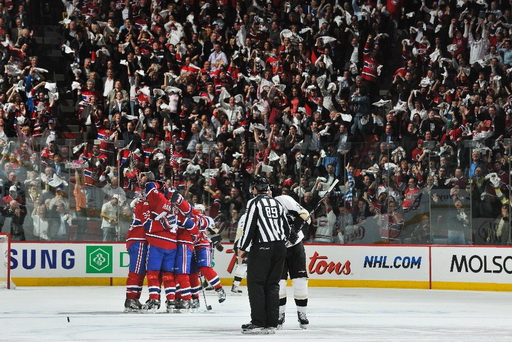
{"x": 265, "y": 222}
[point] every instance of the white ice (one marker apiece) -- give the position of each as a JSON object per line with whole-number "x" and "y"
{"x": 340, "y": 314}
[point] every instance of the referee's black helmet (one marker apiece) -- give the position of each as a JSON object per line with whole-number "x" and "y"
{"x": 260, "y": 183}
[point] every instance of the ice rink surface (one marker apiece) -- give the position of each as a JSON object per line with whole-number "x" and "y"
{"x": 335, "y": 314}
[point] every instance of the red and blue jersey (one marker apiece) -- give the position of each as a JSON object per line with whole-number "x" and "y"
{"x": 106, "y": 141}
{"x": 141, "y": 217}
{"x": 370, "y": 65}
{"x": 203, "y": 223}
{"x": 188, "y": 230}
{"x": 161, "y": 231}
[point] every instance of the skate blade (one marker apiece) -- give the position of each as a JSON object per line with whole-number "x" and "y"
{"x": 258, "y": 332}
{"x": 303, "y": 326}
{"x": 129, "y": 310}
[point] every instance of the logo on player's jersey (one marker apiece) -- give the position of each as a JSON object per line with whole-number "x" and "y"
{"x": 99, "y": 259}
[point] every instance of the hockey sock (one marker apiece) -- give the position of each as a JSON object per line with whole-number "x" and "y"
{"x": 282, "y": 292}
{"x": 169, "y": 285}
{"x": 184, "y": 281}
{"x": 237, "y": 281}
{"x": 282, "y": 308}
{"x": 153, "y": 284}
{"x": 301, "y": 302}
{"x": 134, "y": 284}
{"x": 195, "y": 285}
{"x": 240, "y": 271}
{"x": 212, "y": 277}
{"x": 300, "y": 291}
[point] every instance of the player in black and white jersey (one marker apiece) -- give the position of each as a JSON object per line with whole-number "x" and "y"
{"x": 295, "y": 264}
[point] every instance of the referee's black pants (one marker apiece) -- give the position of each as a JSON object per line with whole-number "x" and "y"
{"x": 264, "y": 267}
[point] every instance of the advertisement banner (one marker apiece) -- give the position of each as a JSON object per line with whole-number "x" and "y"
{"x": 392, "y": 263}
{"x": 329, "y": 262}
{"x": 441, "y": 267}
{"x": 472, "y": 264}
{"x": 56, "y": 260}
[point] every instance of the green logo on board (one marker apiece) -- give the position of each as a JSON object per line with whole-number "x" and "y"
{"x": 99, "y": 259}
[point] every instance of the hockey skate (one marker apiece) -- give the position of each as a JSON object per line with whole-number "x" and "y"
{"x": 177, "y": 304}
{"x": 195, "y": 304}
{"x": 132, "y": 305}
{"x": 254, "y": 329}
{"x": 303, "y": 320}
{"x": 169, "y": 305}
{"x": 222, "y": 294}
{"x": 236, "y": 289}
{"x": 280, "y": 321}
{"x": 152, "y": 305}
{"x": 184, "y": 305}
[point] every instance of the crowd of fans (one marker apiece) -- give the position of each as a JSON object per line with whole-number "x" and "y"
{"x": 406, "y": 103}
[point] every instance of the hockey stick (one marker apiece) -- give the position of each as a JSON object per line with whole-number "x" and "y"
{"x": 327, "y": 193}
{"x": 304, "y": 222}
{"x": 201, "y": 279}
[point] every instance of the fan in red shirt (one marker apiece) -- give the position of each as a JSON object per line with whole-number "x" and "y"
{"x": 411, "y": 195}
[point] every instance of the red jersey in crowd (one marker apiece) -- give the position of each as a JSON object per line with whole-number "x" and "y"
{"x": 410, "y": 196}
{"x": 370, "y": 65}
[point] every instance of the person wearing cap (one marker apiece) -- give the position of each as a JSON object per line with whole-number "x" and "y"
{"x": 12, "y": 195}
{"x": 265, "y": 232}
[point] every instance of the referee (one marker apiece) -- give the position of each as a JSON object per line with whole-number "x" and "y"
{"x": 265, "y": 232}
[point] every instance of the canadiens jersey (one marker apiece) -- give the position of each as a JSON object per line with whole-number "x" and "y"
{"x": 188, "y": 230}
{"x": 91, "y": 176}
{"x": 370, "y": 65}
{"x": 324, "y": 227}
{"x": 203, "y": 223}
{"x": 106, "y": 142}
{"x": 141, "y": 217}
{"x": 161, "y": 231}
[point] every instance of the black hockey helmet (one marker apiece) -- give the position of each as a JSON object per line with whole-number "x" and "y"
{"x": 260, "y": 183}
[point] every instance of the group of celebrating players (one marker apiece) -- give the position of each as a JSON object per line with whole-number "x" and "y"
{"x": 168, "y": 244}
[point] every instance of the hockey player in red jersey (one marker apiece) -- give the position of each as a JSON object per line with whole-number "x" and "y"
{"x": 161, "y": 234}
{"x": 187, "y": 234}
{"x": 203, "y": 250}
{"x": 137, "y": 248}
